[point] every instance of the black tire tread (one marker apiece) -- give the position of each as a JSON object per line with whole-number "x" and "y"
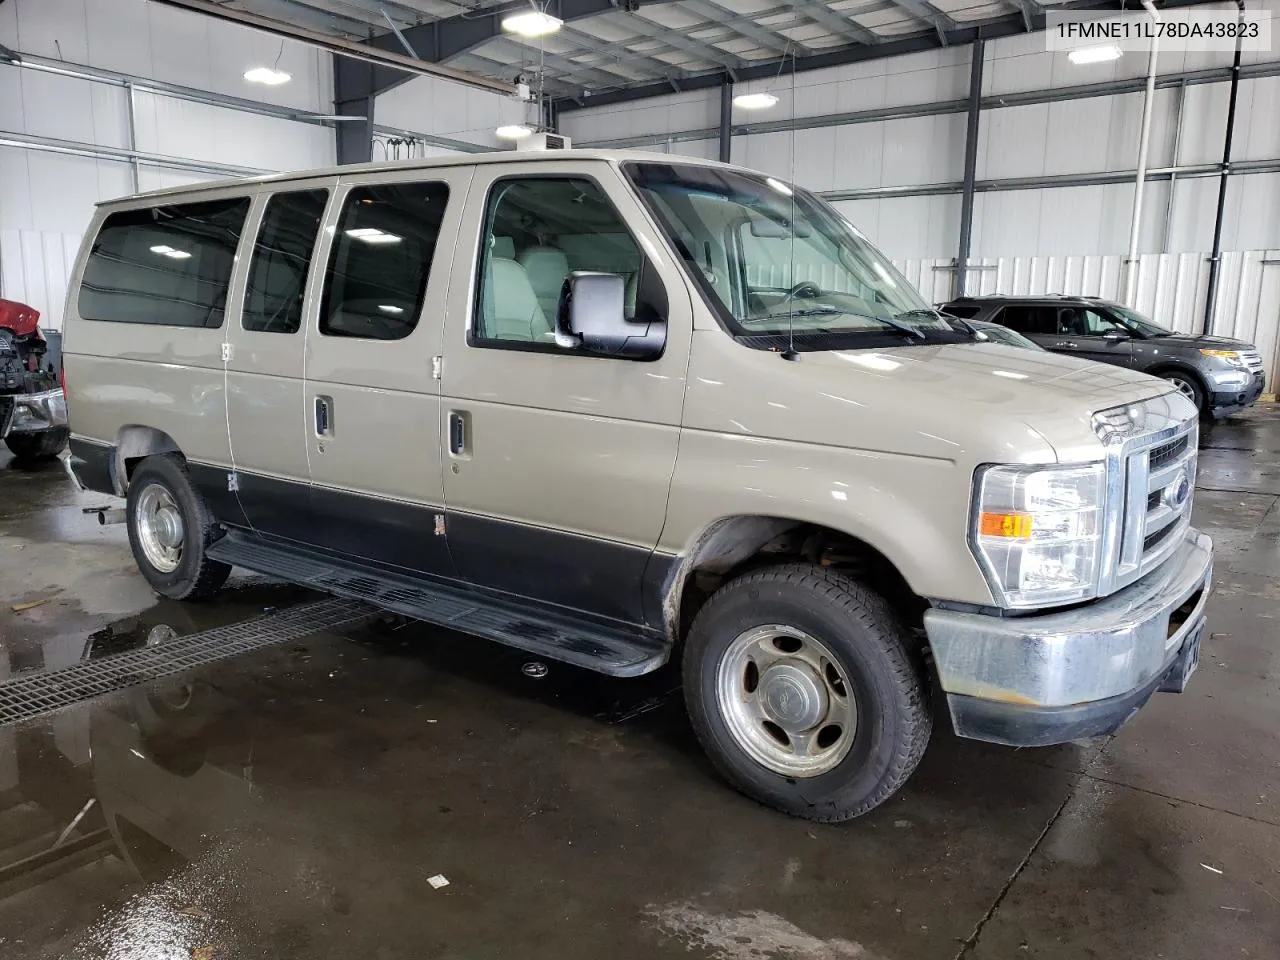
{"x": 882, "y": 627}
{"x": 210, "y": 574}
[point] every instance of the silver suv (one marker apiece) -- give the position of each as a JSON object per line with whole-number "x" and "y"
{"x": 1220, "y": 376}
{"x": 619, "y": 411}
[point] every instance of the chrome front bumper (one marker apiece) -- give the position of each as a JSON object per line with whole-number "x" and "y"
{"x": 37, "y": 412}
{"x": 1060, "y": 676}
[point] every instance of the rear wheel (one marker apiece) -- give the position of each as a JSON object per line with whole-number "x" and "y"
{"x": 802, "y": 690}
{"x": 169, "y": 530}
{"x": 37, "y": 446}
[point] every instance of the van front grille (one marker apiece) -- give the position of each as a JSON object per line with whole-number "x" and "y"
{"x": 1153, "y": 479}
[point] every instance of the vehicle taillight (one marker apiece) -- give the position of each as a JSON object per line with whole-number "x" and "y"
{"x": 62, "y": 379}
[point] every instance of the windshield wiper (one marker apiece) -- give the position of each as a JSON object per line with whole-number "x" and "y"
{"x": 947, "y": 318}
{"x": 896, "y": 325}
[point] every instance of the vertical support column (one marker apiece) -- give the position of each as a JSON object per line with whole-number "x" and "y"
{"x": 726, "y": 120}
{"x": 978, "y": 55}
{"x": 1173, "y": 165}
{"x": 352, "y": 81}
{"x": 132, "y": 109}
{"x": 1215, "y": 258}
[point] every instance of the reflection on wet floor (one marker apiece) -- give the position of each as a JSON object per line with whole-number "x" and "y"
{"x": 298, "y": 801}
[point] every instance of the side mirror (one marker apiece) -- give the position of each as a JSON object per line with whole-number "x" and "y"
{"x": 592, "y": 317}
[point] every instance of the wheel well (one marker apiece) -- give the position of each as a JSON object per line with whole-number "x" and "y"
{"x": 134, "y": 444}
{"x": 1189, "y": 372}
{"x": 736, "y": 545}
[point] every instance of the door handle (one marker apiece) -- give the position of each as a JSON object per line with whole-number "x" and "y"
{"x": 1066, "y": 344}
{"x": 457, "y": 433}
{"x": 324, "y": 416}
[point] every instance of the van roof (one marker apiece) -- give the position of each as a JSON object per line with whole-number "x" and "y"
{"x": 461, "y": 160}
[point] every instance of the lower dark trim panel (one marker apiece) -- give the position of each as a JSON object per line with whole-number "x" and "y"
{"x": 93, "y": 465}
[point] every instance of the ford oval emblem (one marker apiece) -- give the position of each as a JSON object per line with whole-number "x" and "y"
{"x": 1176, "y": 493}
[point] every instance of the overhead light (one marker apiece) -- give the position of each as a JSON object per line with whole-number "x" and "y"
{"x": 1095, "y": 54}
{"x": 755, "y": 101}
{"x": 167, "y": 251}
{"x": 532, "y": 23}
{"x": 514, "y": 131}
{"x": 373, "y": 235}
{"x": 268, "y": 75}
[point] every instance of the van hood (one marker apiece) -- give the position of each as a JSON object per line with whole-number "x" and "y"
{"x": 978, "y": 402}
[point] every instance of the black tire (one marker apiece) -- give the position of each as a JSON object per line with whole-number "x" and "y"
{"x": 196, "y": 575}
{"x": 37, "y": 446}
{"x": 860, "y": 630}
{"x": 1189, "y": 386}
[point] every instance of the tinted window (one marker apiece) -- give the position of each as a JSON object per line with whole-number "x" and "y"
{"x": 963, "y": 311}
{"x": 1029, "y": 318}
{"x": 538, "y": 231}
{"x": 166, "y": 265}
{"x": 1083, "y": 322}
{"x": 381, "y": 258}
{"x": 278, "y": 270}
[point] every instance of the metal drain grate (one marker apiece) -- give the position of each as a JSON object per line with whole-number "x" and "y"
{"x": 39, "y": 693}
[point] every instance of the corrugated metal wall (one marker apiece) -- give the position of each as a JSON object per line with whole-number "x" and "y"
{"x": 1171, "y": 288}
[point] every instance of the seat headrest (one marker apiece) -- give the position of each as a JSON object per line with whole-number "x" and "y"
{"x": 504, "y": 247}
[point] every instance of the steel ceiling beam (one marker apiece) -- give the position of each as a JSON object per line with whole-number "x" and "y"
{"x": 993, "y": 29}
{"x": 769, "y": 39}
{"x": 928, "y": 13}
{"x": 837, "y": 23}
{"x": 382, "y": 58}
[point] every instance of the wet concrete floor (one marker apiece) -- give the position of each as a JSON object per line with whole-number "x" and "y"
{"x": 298, "y": 801}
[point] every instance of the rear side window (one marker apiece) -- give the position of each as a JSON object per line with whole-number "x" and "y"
{"x": 381, "y": 259}
{"x": 963, "y": 311}
{"x": 281, "y": 258}
{"x": 1029, "y": 319}
{"x": 164, "y": 265}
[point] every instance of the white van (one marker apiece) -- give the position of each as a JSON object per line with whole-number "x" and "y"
{"x": 618, "y": 408}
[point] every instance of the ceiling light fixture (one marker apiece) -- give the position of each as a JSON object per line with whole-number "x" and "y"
{"x": 268, "y": 75}
{"x": 1095, "y": 54}
{"x": 532, "y": 23}
{"x": 755, "y": 101}
{"x": 373, "y": 235}
{"x": 514, "y": 131}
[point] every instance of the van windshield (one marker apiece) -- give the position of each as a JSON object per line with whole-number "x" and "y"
{"x": 775, "y": 262}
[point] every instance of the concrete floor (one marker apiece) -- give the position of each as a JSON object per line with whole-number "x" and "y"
{"x": 296, "y": 802}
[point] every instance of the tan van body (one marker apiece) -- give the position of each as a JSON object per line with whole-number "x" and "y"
{"x": 588, "y": 504}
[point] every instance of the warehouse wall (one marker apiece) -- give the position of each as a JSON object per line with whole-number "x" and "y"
{"x": 47, "y": 198}
{"x": 444, "y": 109}
{"x": 1067, "y": 137}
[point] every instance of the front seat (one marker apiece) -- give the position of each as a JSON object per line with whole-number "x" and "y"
{"x": 547, "y": 268}
{"x": 511, "y": 309}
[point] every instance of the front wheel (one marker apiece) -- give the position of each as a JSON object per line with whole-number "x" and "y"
{"x": 801, "y": 688}
{"x": 1188, "y": 386}
{"x": 170, "y": 529}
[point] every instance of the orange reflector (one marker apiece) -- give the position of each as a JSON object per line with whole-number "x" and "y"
{"x": 1005, "y": 525}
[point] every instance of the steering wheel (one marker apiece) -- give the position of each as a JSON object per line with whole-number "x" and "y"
{"x": 804, "y": 290}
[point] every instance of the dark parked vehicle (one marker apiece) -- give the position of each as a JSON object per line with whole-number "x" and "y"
{"x": 1219, "y": 375}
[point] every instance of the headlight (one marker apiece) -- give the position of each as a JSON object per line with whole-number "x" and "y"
{"x": 1233, "y": 357}
{"x": 1037, "y": 531}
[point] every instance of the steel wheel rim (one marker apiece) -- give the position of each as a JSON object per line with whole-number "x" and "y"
{"x": 160, "y": 528}
{"x": 1185, "y": 387}
{"x": 786, "y": 701}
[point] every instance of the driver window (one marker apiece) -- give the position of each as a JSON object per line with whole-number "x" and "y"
{"x": 539, "y": 230}
{"x": 1082, "y": 322}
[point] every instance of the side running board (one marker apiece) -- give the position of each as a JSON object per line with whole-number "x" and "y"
{"x": 619, "y": 652}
